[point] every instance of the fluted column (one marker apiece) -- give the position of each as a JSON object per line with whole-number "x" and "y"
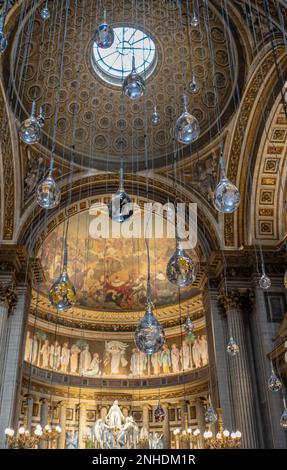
{"x": 62, "y": 422}
{"x": 166, "y": 428}
{"x": 200, "y": 421}
{"x": 44, "y": 419}
{"x": 184, "y": 425}
{"x": 146, "y": 416}
{"x": 82, "y": 424}
{"x": 30, "y": 403}
{"x": 237, "y": 303}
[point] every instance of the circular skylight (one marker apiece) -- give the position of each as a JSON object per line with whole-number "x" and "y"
{"x": 115, "y": 63}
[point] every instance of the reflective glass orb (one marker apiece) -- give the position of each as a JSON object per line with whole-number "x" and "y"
{"x": 120, "y": 207}
{"x": 232, "y": 347}
{"x": 159, "y": 414}
{"x": 134, "y": 86}
{"x": 285, "y": 279}
{"x": 149, "y": 334}
{"x": 194, "y": 22}
{"x": 181, "y": 269}
{"x": 3, "y": 42}
{"x": 274, "y": 383}
{"x": 226, "y": 196}
{"x": 264, "y": 282}
{"x": 104, "y": 36}
{"x": 210, "y": 415}
{"x": 187, "y": 128}
{"x": 48, "y": 193}
{"x": 62, "y": 294}
{"x": 283, "y": 419}
{"x": 155, "y": 118}
{"x": 188, "y": 326}
{"x": 45, "y": 13}
{"x": 30, "y": 131}
{"x": 194, "y": 87}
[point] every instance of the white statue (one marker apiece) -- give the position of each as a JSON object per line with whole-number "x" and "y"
{"x": 135, "y": 362}
{"x": 128, "y": 434}
{"x": 75, "y": 351}
{"x": 85, "y": 360}
{"x": 115, "y": 351}
{"x": 115, "y": 417}
{"x": 65, "y": 358}
{"x": 155, "y": 441}
{"x": 94, "y": 368}
{"x": 185, "y": 355}
{"x": 196, "y": 353}
{"x": 175, "y": 355}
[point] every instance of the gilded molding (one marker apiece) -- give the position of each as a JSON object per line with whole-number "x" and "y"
{"x": 8, "y": 296}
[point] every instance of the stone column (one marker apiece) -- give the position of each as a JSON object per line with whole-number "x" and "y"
{"x": 44, "y": 419}
{"x": 82, "y": 424}
{"x": 146, "y": 416}
{"x": 62, "y": 422}
{"x": 166, "y": 428}
{"x": 184, "y": 425}
{"x": 30, "y": 403}
{"x": 236, "y": 305}
{"x": 200, "y": 416}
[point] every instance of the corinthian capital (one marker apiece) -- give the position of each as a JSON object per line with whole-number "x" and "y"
{"x": 8, "y": 296}
{"x": 236, "y": 299}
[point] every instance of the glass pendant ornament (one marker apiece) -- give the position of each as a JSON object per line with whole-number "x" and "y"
{"x": 104, "y": 35}
{"x": 226, "y": 194}
{"x": 62, "y": 294}
{"x": 283, "y": 419}
{"x": 181, "y": 269}
{"x": 48, "y": 193}
{"x": 134, "y": 84}
{"x": 264, "y": 281}
{"x": 3, "y": 39}
{"x": 194, "y": 22}
{"x": 232, "y": 347}
{"x": 210, "y": 415}
{"x": 149, "y": 334}
{"x": 187, "y": 128}
{"x": 194, "y": 87}
{"x": 45, "y": 12}
{"x": 120, "y": 207}
{"x": 274, "y": 383}
{"x": 159, "y": 413}
{"x": 30, "y": 129}
{"x": 155, "y": 118}
{"x": 189, "y": 330}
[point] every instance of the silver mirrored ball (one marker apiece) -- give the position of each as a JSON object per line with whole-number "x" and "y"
{"x": 149, "y": 334}
{"x": 48, "y": 193}
{"x": 226, "y": 196}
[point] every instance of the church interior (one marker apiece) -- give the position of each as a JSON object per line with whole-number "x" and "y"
{"x": 143, "y": 199}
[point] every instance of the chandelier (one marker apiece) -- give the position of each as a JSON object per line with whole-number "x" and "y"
{"x": 24, "y": 439}
{"x": 223, "y": 439}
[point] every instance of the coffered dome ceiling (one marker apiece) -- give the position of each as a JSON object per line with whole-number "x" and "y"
{"x": 92, "y": 113}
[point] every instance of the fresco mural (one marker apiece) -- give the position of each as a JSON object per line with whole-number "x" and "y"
{"x": 110, "y": 274}
{"x": 113, "y": 358}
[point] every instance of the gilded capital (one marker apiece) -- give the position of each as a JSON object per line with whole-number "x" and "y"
{"x": 8, "y": 296}
{"x": 236, "y": 299}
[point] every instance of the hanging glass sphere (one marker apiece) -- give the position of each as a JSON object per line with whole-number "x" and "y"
{"x": 232, "y": 347}
{"x": 120, "y": 207}
{"x": 159, "y": 413}
{"x": 188, "y": 326}
{"x": 210, "y": 415}
{"x": 274, "y": 383}
{"x": 48, "y": 193}
{"x": 194, "y": 87}
{"x": 181, "y": 269}
{"x": 149, "y": 334}
{"x": 104, "y": 36}
{"x": 194, "y": 22}
{"x": 45, "y": 13}
{"x": 226, "y": 196}
{"x": 264, "y": 282}
{"x": 285, "y": 279}
{"x": 155, "y": 118}
{"x": 134, "y": 84}
{"x": 187, "y": 128}
{"x": 283, "y": 419}
{"x": 62, "y": 294}
{"x": 30, "y": 131}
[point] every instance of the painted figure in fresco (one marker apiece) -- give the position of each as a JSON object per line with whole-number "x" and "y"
{"x": 203, "y": 348}
{"x": 135, "y": 362}
{"x": 75, "y": 351}
{"x": 165, "y": 359}
{"x": 115, "y": 417}
{"x": 45, "y": 351}
{"x": 28, "y": 347}
{"x": 94, "y": 368}
{"x": 72, "y": 440}
{"x": 65, "y": 358}
{"x": 55, "y": 355}
{"x": 185, "y": 355}
{"x": 196, "y": 353}
{"x": 85, "y": 359}
{"x": 175, "y": 355}
{"x": 155, "y": 363}
{"x": 142, "y": 362}
{"x": 115, "y": 354}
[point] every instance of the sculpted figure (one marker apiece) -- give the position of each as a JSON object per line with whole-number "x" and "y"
{"x": 115, "y": 351}
{"x": 165, "y": 360}
{"x": 135, "y": 362}
{"x": 115, "y": 417}
{"x": 155, "y": 363}
{"x": 28, "y": 347}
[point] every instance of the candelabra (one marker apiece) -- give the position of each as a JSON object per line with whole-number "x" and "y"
{"x": 24, "y": 439}
{"x": 224, "y": 439}
{"x": 187, "y": 436}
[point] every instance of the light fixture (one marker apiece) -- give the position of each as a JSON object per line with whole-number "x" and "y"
{"x": 274, "y": 383}
{"x": 232, "y": 347}
{"x": 134, "y": 84}
{"x": 48, "y": 193}
{"x": 159, "y": 413}
{"x": 187, "y": 128}
{"x": 155, "y": 117}
{"x": 194, "y": 21}
{"x": 194, "y": 87}
{"x": 30, "y": 129}
{"x": 104, "y": 35}
{"x": 226, "y": 195}
{"x": 121, "y": 207}
{"x": 210, "y": 415}
{"x": 181, "y": 269}
{"x": 45, "y": 12}
{"x": 62, "y": 294}
{"x": 23, "y": 439}
{"x": 3, "y": 39}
